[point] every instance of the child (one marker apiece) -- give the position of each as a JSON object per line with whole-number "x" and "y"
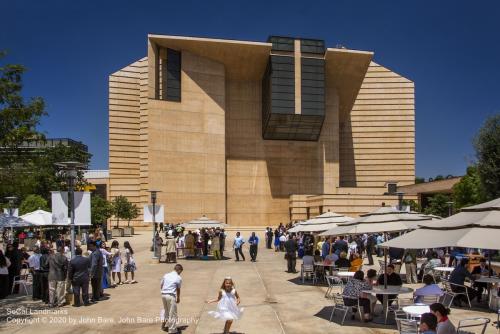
{"x": 227, "y": 307}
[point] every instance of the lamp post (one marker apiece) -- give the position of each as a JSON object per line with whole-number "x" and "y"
{"x": 11, "y": 200}
{"x": 400, "y": 200}
{"x": 69, "y": 169}
{"x": 450, "y": 208}
{"x": 153, "y": 202}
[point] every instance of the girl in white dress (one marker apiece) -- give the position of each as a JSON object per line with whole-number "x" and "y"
{"x": 227, "y": 307}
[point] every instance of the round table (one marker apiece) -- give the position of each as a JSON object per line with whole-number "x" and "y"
{"x": 444, "y": 269}
{"x": 490, "y": 281}
{"x": 416, "y": 310}
{"x": 344, "y": 273}
{"x": 385, "y": 292}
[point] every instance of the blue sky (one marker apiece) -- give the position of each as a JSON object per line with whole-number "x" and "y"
{"x": 450, "y": 49}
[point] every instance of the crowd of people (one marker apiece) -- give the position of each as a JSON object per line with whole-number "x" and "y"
{"x": 56, "y": 274}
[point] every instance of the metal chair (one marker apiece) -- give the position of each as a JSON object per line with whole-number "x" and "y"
{"x": 308, "y": 270}
{"x": 446, "y": 299}
{"x": 333, "y": 283}
{"x": 428, "y": 299}
{"x": 397, "y": 309}
{"x": 339, "y": 305}
{"x": 474, "y": 323}
{"x": 407, "y": 326}
{"x": 23, "y": 281}
{"x": 448, "y": 289}
{"x": 381, "y": 269}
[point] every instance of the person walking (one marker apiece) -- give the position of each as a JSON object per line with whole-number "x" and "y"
{"x": 34, "y": 266}
{"x": 410, "y": 260}
{"x": 116, "y": 263}
{"x": 58, "y": 269}
{"x": 130, "y": 266}
{"x": 370, "y": 247}
{"x": 238, "y": 246}
{"x": 291, "y": 254}
{"x": 253, "y": 241}
{"x": 216, "y": 246}
{"x": 222, "y": 237}
{"x": 227, "y": 304}
{"x": 44, "y": 274}
{"x": 170, "y": 295}
{"x": 96, "y": 271}
{"x": 269, "y": 239}
{"x": 78, "y": 275}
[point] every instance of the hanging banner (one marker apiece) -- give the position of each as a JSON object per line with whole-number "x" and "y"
{"x": 148, "y": 214}
{"x": 15, "y": 211}
{"x": 60, "y": 208}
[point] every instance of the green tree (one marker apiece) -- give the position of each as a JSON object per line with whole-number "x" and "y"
{"x": 414, "y": 206}
{"x": 487, "y": 146}
{"x": 469, "y": 190}
{"x": 121, "y": 208}
{"x": 438, "y": 205}
{"x": 132, "y": 213}
{"x": 18, "y": 118}
{"x": 101, "y": 210}
{"x": 32, "y": 203}
{"x": 419, "y": 180}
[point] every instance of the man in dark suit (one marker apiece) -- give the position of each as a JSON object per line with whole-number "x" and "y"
{"x": 96, "y": 269}
{"x": 291, "y": 253}
{"x": 78, "y": 274}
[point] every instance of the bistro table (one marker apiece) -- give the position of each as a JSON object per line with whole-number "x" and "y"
{"x": 344, "y": 274}
{"x": 325, "y": 266}
{"x": 490, "y": 281}
{"x": 445, "y": 270}
{"x": 416, "y": 311}
{"x": 385, "y": 292}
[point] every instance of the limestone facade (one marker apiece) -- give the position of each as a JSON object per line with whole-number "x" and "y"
{"x": 206, "y": 153}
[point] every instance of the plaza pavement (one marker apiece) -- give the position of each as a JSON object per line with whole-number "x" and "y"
{"x": 273, "y": 301}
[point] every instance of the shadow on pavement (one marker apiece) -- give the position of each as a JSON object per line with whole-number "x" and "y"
{"x": 325, "y": 313}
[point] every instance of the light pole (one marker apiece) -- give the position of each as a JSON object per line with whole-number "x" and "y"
{"x": 450, "y": 208}
{"x": 400, "y": 200}
{"x": 69, "y": 169}
{"x": 11, "y": 200}
{"x": 153, "y": 201}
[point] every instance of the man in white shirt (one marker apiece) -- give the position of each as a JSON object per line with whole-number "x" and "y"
{"x": 34, "y": 264}
{"x": 170, "y": 293}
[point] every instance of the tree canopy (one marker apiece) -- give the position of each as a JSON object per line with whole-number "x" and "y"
{"x": 101, "y": 210}
{"x": 487, "y": 146}
{"x": 33, "y": 202}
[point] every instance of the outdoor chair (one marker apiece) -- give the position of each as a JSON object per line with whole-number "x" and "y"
{"x": 339, "y": 305}
{"x": 307, "y": 270}
{"x": 381, "y": 264}
{"x": 407, "y": 326}
{"x": 23, "y": 281}
{"x": 448, "y": 289}
{"x": 437, "y": 276}
{"x": 446, "y": 299}
{"x": 478, "y": 325}
{"x": 333, "y": 283}
{"x": 429, "y": 299}
{"x": 397, "y": 307}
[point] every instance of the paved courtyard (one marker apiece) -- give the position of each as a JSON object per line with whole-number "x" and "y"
{"x": 274, "y": 301}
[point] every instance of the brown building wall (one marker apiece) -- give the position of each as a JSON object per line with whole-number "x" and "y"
{"x": 206, "y": 153}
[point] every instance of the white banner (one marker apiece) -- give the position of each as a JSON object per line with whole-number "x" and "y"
{"x": 60, "y": 208}
{"x": 148, "y": 214}
{"x": 15, "y": 211}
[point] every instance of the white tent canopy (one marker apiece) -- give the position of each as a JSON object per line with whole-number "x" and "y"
{"x": 321, "y": 223}
{"x": 384, "y": 219}
{"x": 476, "y": 226}
{"x": 203, "y": 222}
{"x": 39, "y": 218}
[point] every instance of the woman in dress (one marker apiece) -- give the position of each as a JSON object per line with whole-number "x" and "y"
{"x": 116, "y": 262}
{"x": 130, "y": 266}
{"x": 227, "y": 307}
{"x": 276, "y": 240}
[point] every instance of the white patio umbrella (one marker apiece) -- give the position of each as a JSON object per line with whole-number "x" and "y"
{"x": 203, "y": 222}
{"x": 476, "y": 226}
{"x": 39, "y": 218}
{"x": 321, "y": 223}
{"x": 383, "y": 220}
